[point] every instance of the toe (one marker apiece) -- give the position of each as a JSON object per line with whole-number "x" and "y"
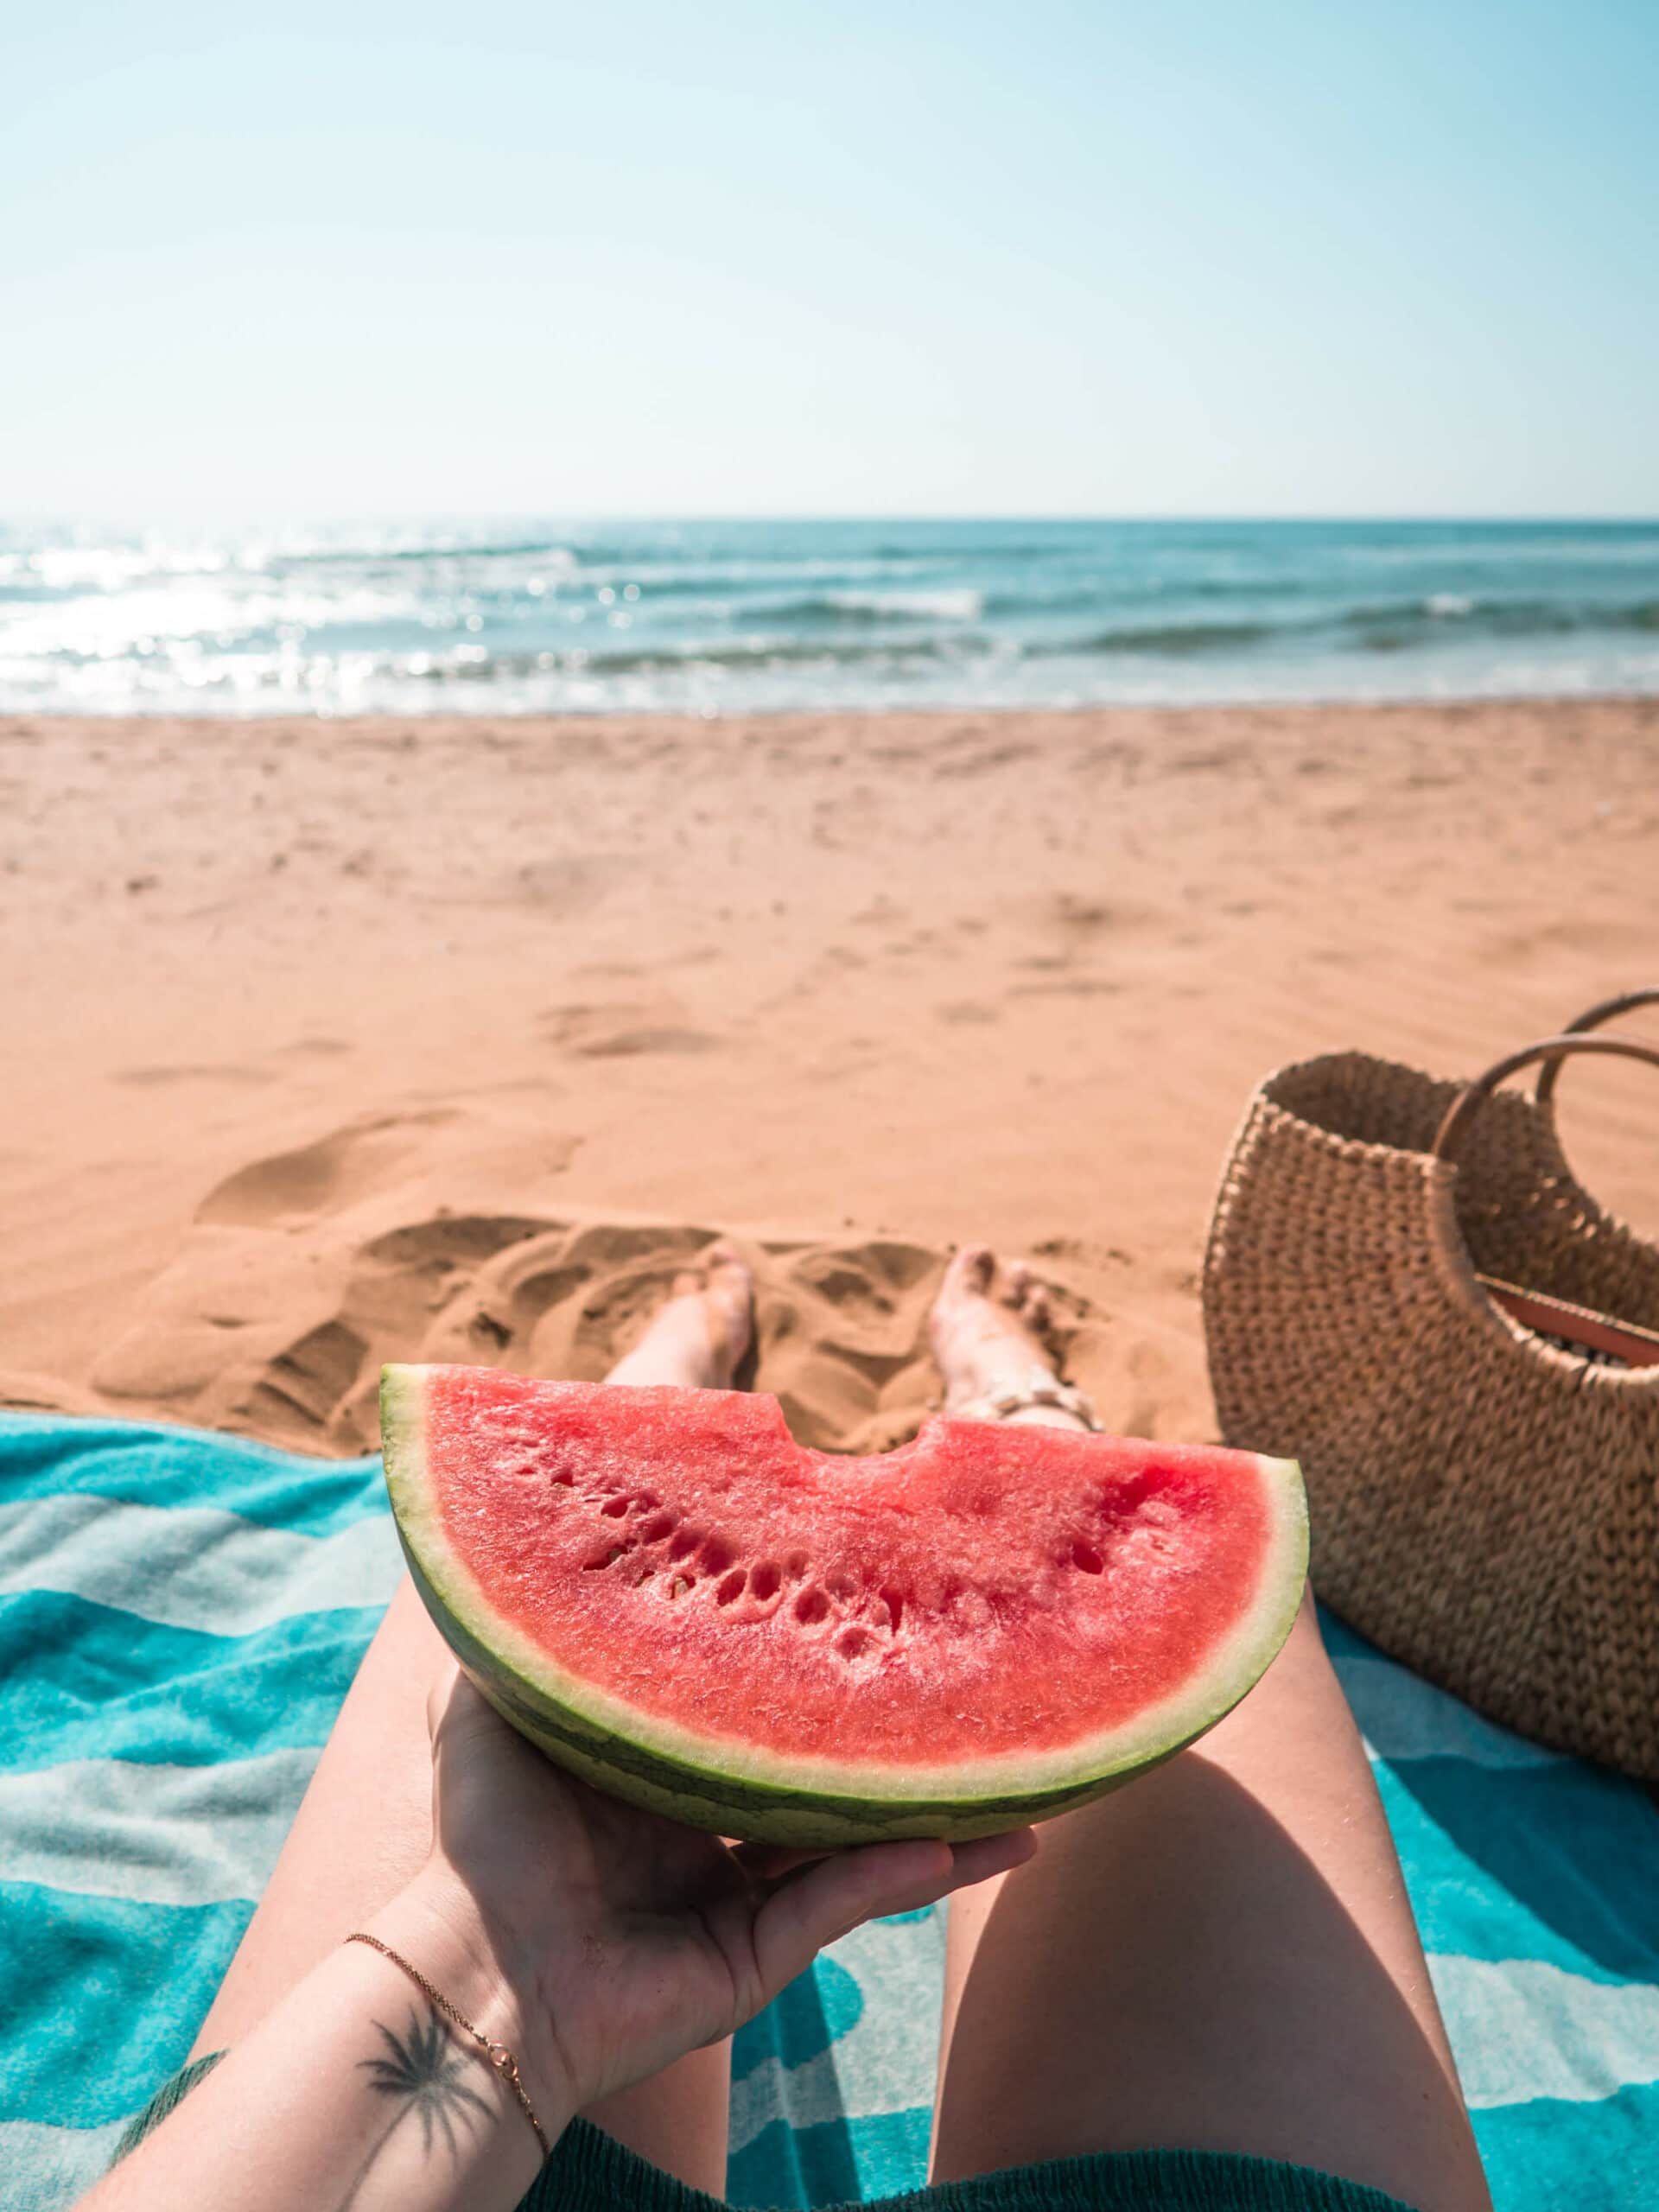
{"x": 727, "y": 1273}
{"x": 1016, "y": 1285}
{"x": 728, "y": 1279}
{"x": 972, "y": 1269}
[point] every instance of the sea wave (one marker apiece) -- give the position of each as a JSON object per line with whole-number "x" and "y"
{"x": 852, "y": 607}
{"x": 535, "y": 613}
{"x": 978, "y": 545}
{"x": 1396, "y": 624}
{"x": 529, "y": 548}
{"x": 1178, "y": 638}
{"x": 774, "y": 650}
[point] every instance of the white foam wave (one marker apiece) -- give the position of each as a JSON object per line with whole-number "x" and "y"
{"x": 199, "y": 618}
{"x": 965, "y": 604}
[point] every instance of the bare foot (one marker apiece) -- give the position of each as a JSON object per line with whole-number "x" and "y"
{"x": 986, "y": 1329}
{"x": 697, "y": 1338}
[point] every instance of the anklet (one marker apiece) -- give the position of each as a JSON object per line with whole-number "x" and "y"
{"x": 495, "y": 2055}
{"x": 998, "y": 1406}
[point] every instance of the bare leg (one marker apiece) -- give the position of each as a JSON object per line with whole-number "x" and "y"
{"x": 364, "y": 1826}
{"x": 1219, "y": 1957}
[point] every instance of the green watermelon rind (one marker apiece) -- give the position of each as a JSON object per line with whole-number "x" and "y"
{"x": 740, "y": 1789}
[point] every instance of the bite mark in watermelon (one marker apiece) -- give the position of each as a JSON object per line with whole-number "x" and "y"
{"x": 991, "y": 1625}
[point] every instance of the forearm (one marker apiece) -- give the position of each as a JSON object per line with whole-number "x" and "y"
{"x": 355, "y": 2094}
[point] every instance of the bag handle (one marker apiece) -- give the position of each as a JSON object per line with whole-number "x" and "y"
{"x": 1551, "y": 1052}
{"x": 1574, "y": 1327}
{"x": 1603, "y": 1010}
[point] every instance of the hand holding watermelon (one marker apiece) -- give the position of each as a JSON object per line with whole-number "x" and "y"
{"x": 629, "y": 1940}
{"x": 914, "y": 1654}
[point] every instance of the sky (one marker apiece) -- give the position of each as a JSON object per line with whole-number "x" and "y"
{"x": 828, "y": 257}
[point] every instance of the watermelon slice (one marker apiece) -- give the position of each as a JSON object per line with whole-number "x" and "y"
{"x": 672, "y": 1596}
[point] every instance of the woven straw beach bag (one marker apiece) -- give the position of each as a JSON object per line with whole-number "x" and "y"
{"x": 1405, "y": 1288}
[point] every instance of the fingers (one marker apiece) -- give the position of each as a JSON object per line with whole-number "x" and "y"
{"x": 770, "y": 1862}
{"x": 459, "y": 1717}
{"x": 974, "y": 1862}
{"x": 816, "y": 1904}
{"x": 992, "y": 1854}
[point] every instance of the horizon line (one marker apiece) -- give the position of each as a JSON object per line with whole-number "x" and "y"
{"x": 589, "y": 516}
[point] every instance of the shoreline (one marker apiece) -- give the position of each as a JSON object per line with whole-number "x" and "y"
{"x": 294, "y": 997}
{"x": 1338, "y": 703}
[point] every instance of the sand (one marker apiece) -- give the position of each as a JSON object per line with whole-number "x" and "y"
{"x": 330, "y": 1042}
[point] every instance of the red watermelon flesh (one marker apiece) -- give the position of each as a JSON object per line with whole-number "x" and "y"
{"x": 674, "y": 1597}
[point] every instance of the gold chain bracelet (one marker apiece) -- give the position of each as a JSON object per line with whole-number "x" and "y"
{"x": 496, "y": 2055}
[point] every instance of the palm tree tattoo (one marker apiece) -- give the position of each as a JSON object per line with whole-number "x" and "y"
{"x": 422, "y": 2071}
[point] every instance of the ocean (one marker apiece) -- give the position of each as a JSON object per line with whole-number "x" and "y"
{"x": 535, "y": 617}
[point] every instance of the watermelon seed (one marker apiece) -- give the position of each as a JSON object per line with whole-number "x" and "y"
{"x": 730, "y": 1587}
{"x": 764, "y": 1581}
{"x": 680, "y": 1586}
{"x": 895, "y": 1606}
{"x": 1086, "y": 1557}
{"x": 609, "y": 1560}
{"x": 811, "y": 1605}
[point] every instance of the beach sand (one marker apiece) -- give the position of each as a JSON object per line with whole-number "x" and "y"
{"x": 326, "y": 1043}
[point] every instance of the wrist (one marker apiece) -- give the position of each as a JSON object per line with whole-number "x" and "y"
{"x": 437, "y": 1925}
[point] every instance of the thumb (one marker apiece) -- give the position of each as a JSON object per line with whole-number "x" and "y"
{"x": 816, "y": 1904}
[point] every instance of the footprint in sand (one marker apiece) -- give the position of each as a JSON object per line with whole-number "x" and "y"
{"x": 305, "y": 1273}
{"x": 621, "y": 1030}
{"x": 317, "y": 1048}
{"x": 293, "y": 1186}
{"x": 153, "y": 1078}
{"x": 1069, "y": 987}
{"x": 564, "y": 1302}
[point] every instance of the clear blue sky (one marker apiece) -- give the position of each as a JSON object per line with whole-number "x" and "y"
{"x": 782, "y": 257}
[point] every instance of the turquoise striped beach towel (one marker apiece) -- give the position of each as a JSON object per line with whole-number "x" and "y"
{"x": 180, "y": 1615}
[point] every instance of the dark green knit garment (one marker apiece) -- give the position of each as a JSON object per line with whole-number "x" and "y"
{"x": 588, "y": 2173}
